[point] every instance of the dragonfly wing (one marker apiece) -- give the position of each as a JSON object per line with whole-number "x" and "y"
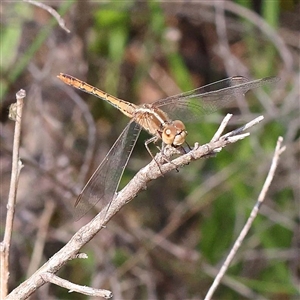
{"x": 104, "y": 182}
{"x": 190, "y": 106}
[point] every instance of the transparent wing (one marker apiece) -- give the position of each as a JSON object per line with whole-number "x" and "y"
{"x": 104, "y": 182}
{"x": 190, "y": 106}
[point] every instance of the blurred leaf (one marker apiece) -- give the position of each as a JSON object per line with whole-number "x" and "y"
{"x": 275, "y": 236}
{"x": 157, "y": 21}
{"x": 268, "y": 141}
{"x": 245, "y": 3}
{"x": 117, "y": 42}
{"x": 180, "y": 72}
{"x": 110, "y": 18}
{"x": 217, "y": 229}
{"x": 9, "y": 46}
{"x": 276, "y": 281}
{"x": 120, "y": 257}
{"x": 270, "y": 12}
{"x": 25, "y": 58}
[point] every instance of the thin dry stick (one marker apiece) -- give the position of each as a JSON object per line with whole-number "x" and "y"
{"x": 152, "y": 240}
{"x": 172, "y": 225}
{"x": 249, "y": 15}
{"x": 49, "y": 277}
{"x": 87, "y": 232}
{"x": 175, "y": 220}
{"x": 51, "y": 11}
{"x": 221, "y": 127}
{"x": 39, "y": 245}
{"x": 232, "y": 64}
{"x": 16, "y": 168}
{"x": 234, "y": 284}
{"x": 263, "y": 26}
{"x": 254, "y": 212}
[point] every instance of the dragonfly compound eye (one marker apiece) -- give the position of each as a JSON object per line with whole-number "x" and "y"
{"x": 181, "y": 133}
{"x": 174, "y": 133}
{"x": 169, "y": 134}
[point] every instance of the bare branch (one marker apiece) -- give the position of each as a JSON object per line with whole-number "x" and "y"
{"x": 254, "y": 212}
{"x": 43, "y": 226}
{"x": 80, "y": 255}
{"x": 48, "y": 277}
{"x": 51, "y": 11}
{"x": 16, "y": 168}
{"x": 245, "y": 127}
{"x": 221, "y": 127}
{"x": 130, "y": 191}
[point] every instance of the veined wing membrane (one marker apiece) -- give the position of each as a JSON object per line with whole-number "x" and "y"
{"x": 104, "y": 182}
{"x": 190, "y": 106}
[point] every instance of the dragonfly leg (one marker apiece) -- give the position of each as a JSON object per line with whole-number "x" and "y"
{"x": 167, "y": 159}
{"x": 147, "y": 142}
{"x": 184, "y": 150}
{"x": 153, "y": 140}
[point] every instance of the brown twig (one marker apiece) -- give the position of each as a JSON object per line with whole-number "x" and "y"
{"x": 51, "y": 11}
{"x": 221, "y": 128}
{"x": 138, "y": 183}
{"x": 41, "y": 237}
{"x": 192, "y": 256}
{"x": 16, "y": 168}
{"x": 254, "y": 212}
{"x": 49, "y": 277}
{"x": 233, "y": 65}
{"x": 185, "y": 8}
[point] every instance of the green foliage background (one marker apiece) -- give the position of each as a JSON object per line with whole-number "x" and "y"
{"x": 131, "y": 50}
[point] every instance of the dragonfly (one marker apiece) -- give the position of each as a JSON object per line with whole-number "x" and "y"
{"x": 163, "y": 120}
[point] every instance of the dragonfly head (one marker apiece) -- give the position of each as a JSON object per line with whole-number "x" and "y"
{"x": 174, "y": 133}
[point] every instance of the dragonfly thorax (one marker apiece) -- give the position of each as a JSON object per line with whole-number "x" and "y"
{"x": 174, "y": 133}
